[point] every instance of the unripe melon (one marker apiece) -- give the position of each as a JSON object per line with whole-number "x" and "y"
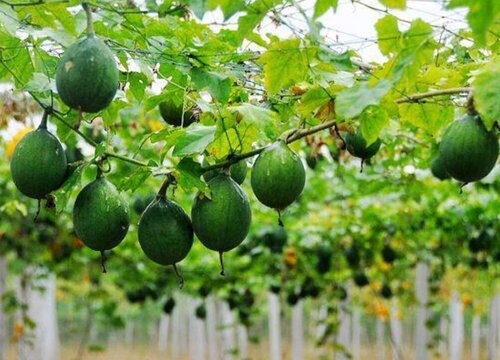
{"x": 357, "y": 146}
{"x": 438, "y": 169}
{"x": 469, "y": 151}
{"x": 173, "y": 114}
{"x": 238, "y": 171}
{"x": 101, "y": 216}
{"x": 87, "y": 76}
{"x": 223, "y": 221}
{"x": 38, "y": 164}
{"x": 278, "y": 176}
{"x": 165, "y": 232}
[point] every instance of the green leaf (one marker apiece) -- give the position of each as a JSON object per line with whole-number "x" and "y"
{"x": 395, "y": 4}
{"x": 135, "y": 180}
{"x": 190, "y": 175}
{"x": 351, "y": 102}
{"x": 285, "y": 64}
{"x": 312, "y": 100}
{"x": 322, "y": 6}
{"x": 138, "y": 83}
{"x": 430, "y": 117}
{"x": 219, "y": 86}
{"x": 373, "y": 120}
{"x": 256, "y": 11}
{"x": 194, "y": 140}
{"x": 264, "y": 119}
{"x": 482, "y": 15}
{"x": 228, "y": 7}
{"x": 388, "y": 34}
{"x": 8, "y": 19}
{"x": 486, "y": 87}
{"x": 39, "y": 83}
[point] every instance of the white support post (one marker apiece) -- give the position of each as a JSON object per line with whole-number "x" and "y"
{"x": 344, "y": 334}
{"x": 42, "y": 342}
{"x": 212, "y": 334}
{"x": 396, "y": 332}
{"x": 298, "y": 331}
{"x": 443, "y": 331}
{"x": 274, "y": 326}
{"x": 176, "y": 319}
{"x": 356, "y": 334}
{"x": 228, "y": 332}
{"x": 422, "y": 293}
{"x": 3, "y": 316}
{"x": 475, "y": 337}
{"x": 242, "y": 342}
{"x": 494, "y": 328}
{"x": 380, "y": 330}
{"x": 163, "y": 334}
{"x": 456, "y": 327}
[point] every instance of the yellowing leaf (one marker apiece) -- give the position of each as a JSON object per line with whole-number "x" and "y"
{"x": 388, "y": 34}
{"x": 285, "y": 64}
{"x": 487, "y": 93}
{"x": 395, "y": 4}
{"x": 322, "y": 6}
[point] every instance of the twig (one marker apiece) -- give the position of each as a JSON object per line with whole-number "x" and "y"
{"x": 416, "y": 97}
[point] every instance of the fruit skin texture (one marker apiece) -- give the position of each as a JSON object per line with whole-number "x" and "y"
{"x": 38, "y": 164}
{"x": 87, "y": 76}
{"x": 278, "y": 176}
{"x": 356, "y": 145}
{"x": 237, "y": 171}
{"x": 100, "y": 215}
{"x": 165, "y": 232}
{"x": 172, "y": 114}
{"x": 468, "y": 150}
{"x": 222, "y": 222}
{"x": 438, "y": 169}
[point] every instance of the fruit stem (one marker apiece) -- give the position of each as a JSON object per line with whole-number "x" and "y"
{"x": 103, "y": 262}
{"x": 221, "y": 259}
{"x": 471, "y": 109}
{"x": 462, "y": 187}
{"x": 280, "y": 219}
{"x": 163, "y": 189}
{"x": 179, "y": 276}
{"x": 45, "y": 117}
{"x": 37, "y": 210}
{"x": 90, "y": 25}
{"x": 362, "y": 165}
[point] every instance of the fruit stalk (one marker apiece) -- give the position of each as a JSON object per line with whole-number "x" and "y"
{"x": 417, "y": 97}
{"x": 299, "y": 134}
{"x": 90, "y": 25}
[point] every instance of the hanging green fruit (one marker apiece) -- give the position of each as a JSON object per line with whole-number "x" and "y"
{"x": 469, "y": 152}
{"x": 38, "y": 165}
{"x": 222, "y": 221}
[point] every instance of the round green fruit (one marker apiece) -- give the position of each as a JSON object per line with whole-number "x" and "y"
{"x": 275, "y": 238}
{"x": 388, "y": 254}
{"x": 438, "y": 169}
{"x": 168, "y": 306}
{"x": 141, "y": 202}
{"x": 357, "y": 146}
{"x": 38, "y": 164}
{"x": 87, "y": 76}
{"x": 173, "y": 114}
{"x": 469, "y": 152}
{"x": 221, "y": 222}
{"x": 237, "y": 171}
{"x": 165, "y": 232}
{"x": 360, "y": 279}
{"x": 278, "y": 176}
{"x": 100, "y": 215}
